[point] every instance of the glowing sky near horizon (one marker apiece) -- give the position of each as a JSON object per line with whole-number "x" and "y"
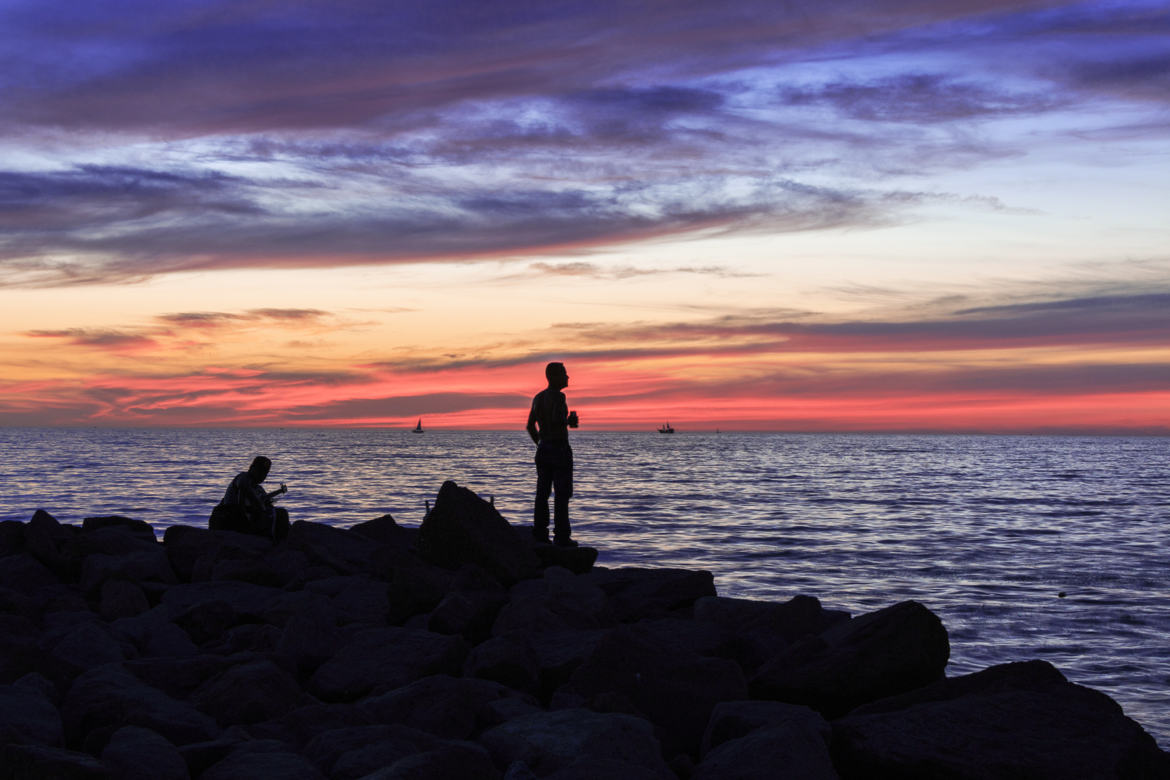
{"x": 888, "y": 215}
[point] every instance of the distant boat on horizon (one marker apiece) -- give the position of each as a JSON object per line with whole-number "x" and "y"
{"x": 418, "y": 428}
{"x": 666, "y": 429}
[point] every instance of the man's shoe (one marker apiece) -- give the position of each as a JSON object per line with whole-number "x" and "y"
{"x": 564, "y": 541}
{"x": 540, "y": 537}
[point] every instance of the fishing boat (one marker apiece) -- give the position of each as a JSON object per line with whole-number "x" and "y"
{"x": 666, "y": 429}
{"x": 418, "y": 428}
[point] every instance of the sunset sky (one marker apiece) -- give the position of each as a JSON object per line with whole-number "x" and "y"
{"x": 751, "y": 215}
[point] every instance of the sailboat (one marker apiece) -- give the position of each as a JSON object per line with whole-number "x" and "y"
{"x": 418, "y": 428}
{"x": 666, "y": 429}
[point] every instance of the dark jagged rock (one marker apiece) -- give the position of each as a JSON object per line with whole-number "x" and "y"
{"x": 135, "y": 753}
{"x": 337, "y": 548}
{"x": 27, "y": 716}
{"x": 380, "y": 659}
{"x": 36, "y": 761}
{"x": 346, "y": 754}
{"x": 11, "y": 537}
{"x": 451, "y": 707}
{"x": 637, "y": 593}
{"x": 75, "y": 641}
{"x": 1013, "y": 720}
{"x": 449, "y": 761}
{"x": 463, "y": 528}
{"x": 555, "y": 740}
{"x": 48, "y": 541}
{"x": 250, "y": 764}
{"x": 194, "y": 552}
{"x": 311, "y": 636}
{"x": 122, "y": 598}
{"x": 143, "y": 565}
{"x": 313, "y": 658}
{"x": 139, "y": 528}
{"x": 759, "y": 630}
{"x": 249, "y": 693}
{"x": 108, "y": 697}
{"x": 385, "y": 531}
{"x": 508, "y": 659}
{"x": 415, "y": 588}
{"x": 299, "y": 726}
{"x": 632, "y": 670}
{"x": 153, "y": 635}
{"x": 557, "y": 601}
{"x": 879, "y": 654}
{"x": 735, "y": 719}
{"x": 765, "y": 753}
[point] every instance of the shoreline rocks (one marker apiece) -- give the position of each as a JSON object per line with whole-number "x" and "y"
{"x": 463, "y": 649}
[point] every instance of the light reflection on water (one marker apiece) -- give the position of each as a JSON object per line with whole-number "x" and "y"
{"x": 986, "y": 531}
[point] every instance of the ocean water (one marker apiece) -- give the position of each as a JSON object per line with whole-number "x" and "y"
{"x": 987, "y": 531}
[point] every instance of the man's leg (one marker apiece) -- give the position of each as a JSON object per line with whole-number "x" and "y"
{"x": 562, "y": 492}
{"x": 544, "y": 485}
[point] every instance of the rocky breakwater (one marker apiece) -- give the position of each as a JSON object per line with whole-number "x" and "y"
{"x": 460, "y": 649}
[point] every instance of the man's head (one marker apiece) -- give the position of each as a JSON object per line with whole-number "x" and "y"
{"x": 556, "y": 375}
{"x": 259, "y": 468}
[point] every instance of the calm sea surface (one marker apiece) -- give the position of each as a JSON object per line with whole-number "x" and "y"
{"x": 987, "y": 531}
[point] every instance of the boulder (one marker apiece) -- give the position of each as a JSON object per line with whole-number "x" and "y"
{"x": 508, "y": 659}
{"x": 637, "y": 593}
{"x": 414, "y": 588}
{"x": 450, "y": 707}
{"x": 557, "y": 601}
{"x": 301, "y": 725}
{"x": 138, "y": 528}
{"x": 560, "y": 653}
{"x": 338, "y": 548}
{"x": 463, "y": 528}
{"x": 153, "y": 635}
{"x": 879, "y": 654}
{"x": 578, "y": 560}
{"x": 279, "y": 568}
{"x": 48, "y": 541}
{"x": 354, "y": 752}
{"x": 361, "y": 600}
{"x": 42, "y": 761}
{"x": 310, "y": 637}
{"x": 178, "y": 677}
{"x": 144, "y": 564}
{"x": 458, "y": 760}
{"x": 1012, "y": 720}
{"x": 27, "y": 716}
{"x": 675, "y": 689}
{"x": 24, "y": 573}
{"x": 554, "y": 740}
{"x": 108, "y": 697}
{"x": 376, "y": 660}
{"x": 734, "y": 719}
{"x": 121, "y": 598}
{"x": 252, "y": 764}
{"x": 248, "y": 693}
{"x": 194, "y": 552}
{"x": 11, "y": 537}
{"x": 760, "y": 630}
{"x": 386, "y": 532}
{"x": 72, "y": 642}
{"x": 768, "y": 753}
{"x": 135, "y": 753}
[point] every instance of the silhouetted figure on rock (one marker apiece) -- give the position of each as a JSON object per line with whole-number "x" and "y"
{"x": 548, "y": 424}
{"x": 247, "y": 508}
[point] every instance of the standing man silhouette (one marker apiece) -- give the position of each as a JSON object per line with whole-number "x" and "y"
{"x": 548, "y": 424}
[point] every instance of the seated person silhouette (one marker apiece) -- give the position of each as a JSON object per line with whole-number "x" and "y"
{"x": 549, "y": 421}
{"x": 247, "y": 508}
